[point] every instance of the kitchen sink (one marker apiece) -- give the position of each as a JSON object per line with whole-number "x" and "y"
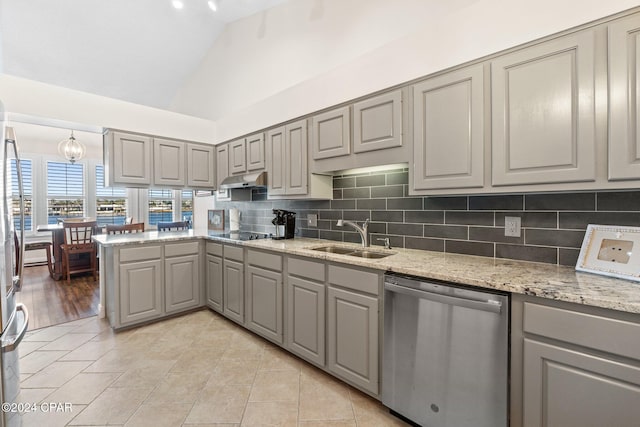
{"x": 360, "y": 253}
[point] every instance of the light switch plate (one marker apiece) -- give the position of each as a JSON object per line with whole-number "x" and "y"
{"x": 512, "y": 226}
{"x": 312, "y": 220}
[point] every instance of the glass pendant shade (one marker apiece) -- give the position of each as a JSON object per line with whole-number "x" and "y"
{"x": 71, "y": 149}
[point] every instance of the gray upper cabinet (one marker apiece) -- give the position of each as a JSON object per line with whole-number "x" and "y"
{"x": 222, "y": 169}
{"x": 543, "y": 113}
{"x": 448, "y": 121}
{"x": 296, "y": 161}
{"x": 624, "y": 103}
{"x": 168, "y": 162}
{"x": 377, "y": 122}
{"x": 237, "y": 157}
{"x": 331, "y": 134}
{"x": 255, "y": 152}
{"x": 275, "y": 161}
{"x": 128, "y": 159}
{"x": 201, "y": 170}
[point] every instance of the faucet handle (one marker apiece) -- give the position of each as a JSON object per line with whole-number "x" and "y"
{"x": 387, "y": 244}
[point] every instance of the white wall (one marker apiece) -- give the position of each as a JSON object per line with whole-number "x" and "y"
{"x": 43, "y": 100}
{"x": 306, "y": 55}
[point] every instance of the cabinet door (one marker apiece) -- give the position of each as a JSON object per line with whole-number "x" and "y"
{"x": 168, "y": 162}
{"x": 233, "y": 293}
{"x": 131, "y": 159}
{"x": 264, "y": 302}
{"x": 214, "y": 282}
{"x": 624, "y": 103}
{"x": 276, "y": 161}
{"x": 448, "y": 123}
{"x": 140, "y": 291}
{"x": 565, "y": 387}
{"x": 181, "y": 282}
{"x": 543, "y": 113}
{"x": 200, "y": 166}
{"x": 237, "y": 157}
{"x": 331, "y": 134}
{"x": 222, "y": 169}
{"x": 296, "y": 160}
{"x": 305, "y": 319}
{"x": 255, "y": 152}
{"x": 377, "y": 122}
{"x": 352, "y": 337}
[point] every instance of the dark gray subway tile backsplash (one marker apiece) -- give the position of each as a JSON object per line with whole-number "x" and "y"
{"x": 553, "y": 224}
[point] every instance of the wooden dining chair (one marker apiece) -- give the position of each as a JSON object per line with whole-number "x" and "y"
{"x": 78, "y": 241}
{"x": 173, "y": 226}
{"x": 125, "y": 228}
{"x": 33, "y": 246}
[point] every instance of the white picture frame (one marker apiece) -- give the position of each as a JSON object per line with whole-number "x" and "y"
{"x": 611, "y": 250}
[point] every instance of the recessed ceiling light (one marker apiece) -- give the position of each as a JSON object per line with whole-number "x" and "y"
{"x": 212, "y": 5}
{"x": 178, "y": 4}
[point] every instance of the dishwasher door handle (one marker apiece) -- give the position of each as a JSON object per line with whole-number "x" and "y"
{"x": 486, "y": 305}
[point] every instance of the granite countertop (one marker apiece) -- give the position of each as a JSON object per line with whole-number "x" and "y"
{"x": 528, "y": 278}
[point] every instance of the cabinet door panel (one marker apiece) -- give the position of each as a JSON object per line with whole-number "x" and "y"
{"x": 237, "y": 156}
{"x": 296, "y": 158}
{"x": 222, "y": 169}
{"x": 305, "y": 319}
{"x": 624, "y": 77}
{"x": 255, "y": 152}
{"x": 449, "y": 130}
{"x": 543, "y": 113}
{"x": 276, "y": 161}
{"x": 377, "y": 122}
{"x": 264, "y": 302}
{"x": 131, "y": 159}
{"x": 568, "y": 388}
{"x": 353, "y": 337}
{"x": 233, "y": 294}
{"x": 200, "y": 166}
{"x": 214, "y": 282}
{"x": 168, "y": 162}
{"x": 331, "y": 134}
{"x": 140, "y": 291}
{"x": 182, "y": 283}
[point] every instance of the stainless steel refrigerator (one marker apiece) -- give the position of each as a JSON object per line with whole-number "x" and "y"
{"x": 14, "y": 317}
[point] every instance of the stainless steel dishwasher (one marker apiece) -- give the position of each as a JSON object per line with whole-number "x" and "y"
{"x": 445, "y": 354}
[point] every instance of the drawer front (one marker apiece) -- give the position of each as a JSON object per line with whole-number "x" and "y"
{"x": 177, "y": 249}
{"x": 597, "y": 332}
{"x": 358, "y": 280}
{"x": 214, "y": 249}
{"x": 265, "y": 260}
{"x": 233, "y": 252}
{"x": 140, "y": 253}
{"x": 308, "y": 269}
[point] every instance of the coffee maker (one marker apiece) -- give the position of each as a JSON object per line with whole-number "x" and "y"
{"x": 285, "y": 223}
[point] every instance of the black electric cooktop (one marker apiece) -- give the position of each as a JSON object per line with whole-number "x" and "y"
{"x": 242, "y": 235}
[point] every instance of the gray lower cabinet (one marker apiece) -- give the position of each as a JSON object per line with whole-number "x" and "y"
{"x": 182, "y": 282}
{"x": 306, "y": 319}
{"x": 233, "y": 291}
{"x": 264, "y": 302}
{"x": 214, "y": 282}
{"x": 140, "y": 291}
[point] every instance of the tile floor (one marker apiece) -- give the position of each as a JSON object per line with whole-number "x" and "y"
{"x": 198, "y": 369}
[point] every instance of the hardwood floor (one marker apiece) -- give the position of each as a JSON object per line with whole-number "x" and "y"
{"x": 52, "y": 302}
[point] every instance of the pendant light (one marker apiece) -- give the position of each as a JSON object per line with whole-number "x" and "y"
{"x": 71, "y": 149}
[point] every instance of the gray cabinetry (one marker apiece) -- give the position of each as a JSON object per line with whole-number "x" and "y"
{"x": 352, "y": 326}
{"x": 182, "y": 276}
{"x": 543, "y": 112}
{"x": 214, "y": 276}
{"x": 255, "y": 152}
{"x": 201, "y": 171}
{"x": 448, "y": 121}
{"x": 306, "y": 301}
{"x": 128, "y": 159}
{"x": 222, "y": 170}
{"x": 377, "y": 122}
{"x": 331, "y": 134}
{"x": 168, "y": 162}
{"x": 264, "y": 295}
{"x": 237, "y": 157}
{"x": 275, "y": 148}
{"x": 295, "y": 158}
{"x": 233, "y": 283}
{"x": 624, "y": 69}
{"x": 140, "y": 285}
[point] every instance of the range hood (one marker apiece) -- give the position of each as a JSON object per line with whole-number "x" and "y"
{"x": 258, "y": 179}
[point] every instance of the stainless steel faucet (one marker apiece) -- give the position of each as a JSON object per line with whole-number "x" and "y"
{"x": 363, "y": 231}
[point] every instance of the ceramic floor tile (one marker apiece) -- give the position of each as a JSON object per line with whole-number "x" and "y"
{"x": 270, "y": 414}
{"x": 198, "y": 360}
{"x": 234, "y": 371}
{"x": 69, "y": 341}
{"x": 159, "y": 415}
{"x": 327, "y": 423}
{"x": 55, "y": 375}
{"x": 323, "y": 398}
{"x": 223, "y": 404}
{"x": 58, "y": 418}
{"x": 34, "y": 395}
{"x": 116, "y": 361}
{"x": 113, "y": 406}
{"x": 51, "y": 333}
{"x": 83, "y": 388}
{"x": 27, "y": 347}
{"x": 149, "y": 374}
{"x": 92, "y": 350}
{"x": 272, "y": 386}
{"x": 35, "y": 361}
{"x": 179, "y": 388}
{"x": 370, "y": 413}
{"x": 274, "y": 359}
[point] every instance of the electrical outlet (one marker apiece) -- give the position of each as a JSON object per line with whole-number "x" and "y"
{"x": 312, "y": 220}
{"x": 512, "y": 226}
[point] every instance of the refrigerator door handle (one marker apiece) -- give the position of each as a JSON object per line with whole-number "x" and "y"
{"x": 17, "y": 280}
{"x": 12, "y": 344}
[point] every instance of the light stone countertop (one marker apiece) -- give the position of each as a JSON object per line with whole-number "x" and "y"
{"x": 528, "y": 278}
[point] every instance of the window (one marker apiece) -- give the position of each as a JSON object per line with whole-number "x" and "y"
{"x": 161, "y": 204}
{"x": 186, "y": 208}
{"x": 65, "y": 191}
{"x": 111, "y": 202}
{"x": 27, "y": 180}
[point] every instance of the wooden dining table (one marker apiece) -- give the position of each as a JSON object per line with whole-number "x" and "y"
{"x": 57, "y": 238}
